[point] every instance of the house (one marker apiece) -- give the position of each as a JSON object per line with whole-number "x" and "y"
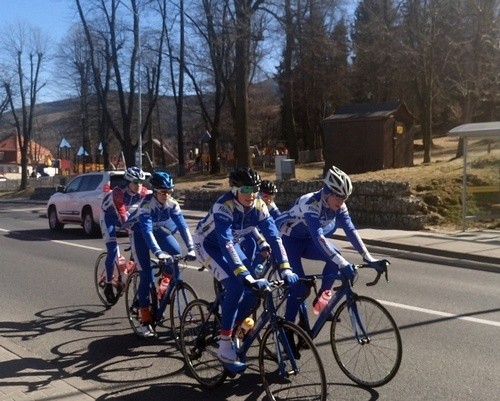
{"x": 10, "y": 156}
{"x": 369, "y": 137}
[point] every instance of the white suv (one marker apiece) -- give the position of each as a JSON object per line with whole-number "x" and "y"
{"x": 80, "y": 201}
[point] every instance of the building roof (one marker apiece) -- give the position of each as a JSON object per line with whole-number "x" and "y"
{"x": 366, "y": 111}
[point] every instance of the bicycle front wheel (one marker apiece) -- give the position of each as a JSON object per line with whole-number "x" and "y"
{"x": 200, "y": 333}
{"x": 132, "y": 302}
{"x": 100, "y": 279}
{"x": 290, "y": 372}
{"x": 366, "y": 342}
{"x": 181, "y": 295}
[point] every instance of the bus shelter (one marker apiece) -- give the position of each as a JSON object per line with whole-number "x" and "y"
{"x": 481, "y": 152}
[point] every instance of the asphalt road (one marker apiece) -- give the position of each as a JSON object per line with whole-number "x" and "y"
{"x": 449, "y": 320}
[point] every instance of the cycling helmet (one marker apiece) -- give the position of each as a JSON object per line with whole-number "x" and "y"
{"x": 268, "y": 187}
{"x": 134, "y": 174}
{"x": 161, "y": 180}
{"x": 244, "y": 176}
{"x": 338, "y": 182}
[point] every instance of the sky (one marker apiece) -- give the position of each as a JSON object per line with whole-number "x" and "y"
{"x": 53, "y": 17}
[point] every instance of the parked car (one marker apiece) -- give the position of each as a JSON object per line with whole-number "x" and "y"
{"x": 3, "y": 178}
{"x": 79, "y": 202}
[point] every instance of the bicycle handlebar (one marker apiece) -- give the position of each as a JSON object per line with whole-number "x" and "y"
{"x": 383, "y": 270}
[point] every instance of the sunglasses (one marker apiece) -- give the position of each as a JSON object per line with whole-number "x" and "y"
{"x": 249, "y": 189}
{"x": 340, "y": 197}
{"x": 137, "y": 181}
{"x": 164, "y": 191}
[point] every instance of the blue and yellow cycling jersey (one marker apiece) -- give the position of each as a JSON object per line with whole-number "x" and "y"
{"x": 228, "y": 221}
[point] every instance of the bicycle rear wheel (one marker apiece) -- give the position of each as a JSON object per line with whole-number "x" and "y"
{"x": 100, "y": 279}
{"x": 291, "y": 373}
{"x": 181, "y": 295}
{"x": 366, "y": 342}
{"x": 200, "y": 333}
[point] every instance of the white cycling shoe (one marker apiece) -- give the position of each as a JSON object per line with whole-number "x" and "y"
{"x": 146, "y": 330}
{"x": 227, "y": 355}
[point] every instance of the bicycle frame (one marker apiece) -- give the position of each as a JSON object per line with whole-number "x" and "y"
{"x": 160, "y": 308}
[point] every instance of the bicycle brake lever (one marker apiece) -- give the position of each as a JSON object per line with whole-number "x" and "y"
{"x": 374, "y": 282}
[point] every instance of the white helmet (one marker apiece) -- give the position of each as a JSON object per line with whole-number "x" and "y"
{"x": 338, "y": 182}
{"x": 134, "y": 174}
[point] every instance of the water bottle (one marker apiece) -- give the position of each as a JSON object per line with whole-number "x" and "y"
{"x": 163, "y": 285}
{"x": 245, "y": 327}
{"x": 258, "y": 270}
{"x": 322, "y": 302}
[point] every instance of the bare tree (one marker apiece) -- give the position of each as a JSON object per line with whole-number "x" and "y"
{"x": 116, "y": 36}
{"x": 26, "y": 49}
{"x": 244, "y": 11}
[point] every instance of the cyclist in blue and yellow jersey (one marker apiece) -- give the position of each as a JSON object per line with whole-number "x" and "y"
{"x": 234, "y": 215}
{"x": 305, "y": 227}
{"x": 255, "y": 245}
{"x": 151, "y": 233}
{"x": 115, "y": 210}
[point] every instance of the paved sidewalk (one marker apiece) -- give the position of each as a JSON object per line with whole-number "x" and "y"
{"x": 24, "y": 376}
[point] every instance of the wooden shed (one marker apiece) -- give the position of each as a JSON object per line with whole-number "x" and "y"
{"x": 369, "y": 137}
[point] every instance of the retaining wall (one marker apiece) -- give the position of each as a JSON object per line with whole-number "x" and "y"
{"x": 381, "y": 204}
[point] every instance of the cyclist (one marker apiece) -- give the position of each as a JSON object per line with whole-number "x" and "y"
{"x": 305, "y": 227}
{"x": 236, "y": 214}
{"x": 114, "y": 213}
{"x": 255, "y": 245}
{"x": 150, "y": 232}
{"x": 268, "y": 191}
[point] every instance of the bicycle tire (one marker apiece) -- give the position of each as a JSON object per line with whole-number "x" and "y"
{"x": 200, "y": 333}
{"x": 370, "y": 362}
{"x": 100, "y": 279}
{"x": 307, "y": 380}
{"x": 182, "y": 294}
{"x": 132, "y": 302}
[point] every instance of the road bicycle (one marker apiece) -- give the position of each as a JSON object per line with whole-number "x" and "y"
{"x": 364, "y": 337}
{"x": 122, "y": 268}
{"x": 286, "y": 373}
{"x": 177, "y": 295}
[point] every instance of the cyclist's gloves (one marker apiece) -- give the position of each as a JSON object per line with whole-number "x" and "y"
{"x": 191, "y": 255}
{"x": 289, "y": 276}
{"x": 164, "y": 257}
{"x": 260, "y": 284}
{"x": 379, "y": 265}
{"x": 264, "y": 247}
{"x": 349, "y": 272}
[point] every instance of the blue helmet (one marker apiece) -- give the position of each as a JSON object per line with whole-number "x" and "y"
{"x": 161, "y": 180}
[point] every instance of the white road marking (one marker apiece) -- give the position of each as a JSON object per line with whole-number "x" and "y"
{"x": 438, "y": 313}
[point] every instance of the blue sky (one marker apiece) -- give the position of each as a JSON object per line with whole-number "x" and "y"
{"x": 51, "y": 16}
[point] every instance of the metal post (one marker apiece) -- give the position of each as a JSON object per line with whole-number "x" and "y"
{"x": 139, "y": 102}
{"x": 464, "y": 185}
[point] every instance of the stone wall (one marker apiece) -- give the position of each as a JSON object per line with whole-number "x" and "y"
{"x": 378, "y": 204}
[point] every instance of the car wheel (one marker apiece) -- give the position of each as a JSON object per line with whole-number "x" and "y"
{"x": 54, "y": 223}
{"x": 89, "y": 226}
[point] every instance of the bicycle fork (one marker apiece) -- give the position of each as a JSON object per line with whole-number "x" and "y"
{"x": 358, "y": 326}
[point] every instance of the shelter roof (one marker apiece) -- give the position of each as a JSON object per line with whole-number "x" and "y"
{"x": 477, "y": 130}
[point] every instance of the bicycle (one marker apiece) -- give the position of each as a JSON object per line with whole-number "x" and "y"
{"x": 364, "y": 337}
{"x": 122, "y": 268}
{"x": 177, "y": 295}
{"x": 285, "y": 373}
